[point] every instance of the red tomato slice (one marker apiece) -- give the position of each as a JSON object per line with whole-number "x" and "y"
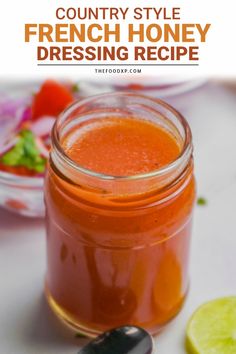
{"x": 51, "y": 99}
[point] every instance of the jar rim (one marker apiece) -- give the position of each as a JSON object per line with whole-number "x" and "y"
{"x": 184, "y": 155}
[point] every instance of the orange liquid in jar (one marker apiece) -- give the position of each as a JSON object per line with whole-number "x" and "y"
{"x": 115, "y": 260}
{"x": 123, "y": 147}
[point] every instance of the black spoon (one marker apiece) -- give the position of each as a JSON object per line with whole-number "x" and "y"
{"x": 123, "y": 340}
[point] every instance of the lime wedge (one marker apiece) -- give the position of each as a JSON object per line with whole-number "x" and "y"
{"x": 212, "y": 328}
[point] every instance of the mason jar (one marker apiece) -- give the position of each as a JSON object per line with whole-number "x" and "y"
{"x": 118, "y": 246}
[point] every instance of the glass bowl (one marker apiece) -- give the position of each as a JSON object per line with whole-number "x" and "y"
{"x": 22, "y": 195}
{"x": 19, "y": 194}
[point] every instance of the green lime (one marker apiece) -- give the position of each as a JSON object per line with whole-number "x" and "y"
{"x": 212, "y": 328}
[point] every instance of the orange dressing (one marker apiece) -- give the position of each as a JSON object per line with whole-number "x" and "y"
{"x": 123, "y": 147}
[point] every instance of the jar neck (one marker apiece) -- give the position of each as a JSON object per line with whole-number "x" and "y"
{"x": 121, "y": 104}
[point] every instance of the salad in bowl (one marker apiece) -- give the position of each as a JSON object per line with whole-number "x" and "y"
{"x": 25, "y": 127}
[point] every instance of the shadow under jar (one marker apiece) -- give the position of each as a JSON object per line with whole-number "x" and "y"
{"x": 118, "y": 246}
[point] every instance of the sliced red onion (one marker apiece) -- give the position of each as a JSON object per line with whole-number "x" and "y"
{"x": 12, "y": 112}
{"x": 42, "y": 148}
{"x": 24, "y": 114}
{"x": 43, "y": 126}
{"x": 9, "y": 107}
{"x": 8, "y": 146}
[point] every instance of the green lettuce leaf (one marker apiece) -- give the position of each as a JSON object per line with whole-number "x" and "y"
{"x": 25, "y": 153}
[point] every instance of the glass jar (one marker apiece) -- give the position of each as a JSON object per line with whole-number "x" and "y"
{"x": 118, "y": 247}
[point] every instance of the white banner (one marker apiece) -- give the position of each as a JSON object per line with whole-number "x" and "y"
{"x": 146, "y": 38}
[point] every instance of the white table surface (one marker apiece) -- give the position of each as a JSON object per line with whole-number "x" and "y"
{"x": 27, "y": 325}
